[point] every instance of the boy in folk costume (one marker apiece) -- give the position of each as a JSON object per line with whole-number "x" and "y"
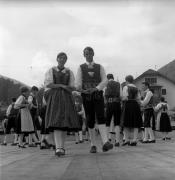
{"x": 90, "y": 81}
{"x": 81, "y": 116}
{"x": 148, "y": 113}
{"x": 11, "y": 115}
{"x": 113, "y": 106}
{"x": 163, "y": 120}
{"x": 34, "y": 112}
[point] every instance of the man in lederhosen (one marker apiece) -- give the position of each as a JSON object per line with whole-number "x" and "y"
{"x": 113, "y": 106}
{"x": 148, "y": 112}
{"x": 91, "y": 80}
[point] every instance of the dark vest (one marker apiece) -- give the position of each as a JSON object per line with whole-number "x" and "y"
{"x": 60, "y": 77}
{"x": 90, "y": 76}
{"x": 132, "y": 92}
{"x": 164, "y": 108}
{"x": 150, "y": 103}
{"x": 112, "y": 89}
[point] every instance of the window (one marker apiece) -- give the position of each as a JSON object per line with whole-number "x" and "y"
{"x": 163, "y": 91}
{"x": 151, "y": 80}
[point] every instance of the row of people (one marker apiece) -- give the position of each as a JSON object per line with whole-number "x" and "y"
{"x": 90, "y": 81}
{"x": 60, "y": 107}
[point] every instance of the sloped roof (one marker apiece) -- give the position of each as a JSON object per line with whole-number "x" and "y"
{"x": 153, "y": 73}
{"x": 168, "y": 70}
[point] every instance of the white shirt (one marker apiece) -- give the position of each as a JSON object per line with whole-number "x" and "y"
{"x": 159, "y": 106}
{"x": 125, "y": 91}
{"x": 8, "y": 110}
{"x": 49, "y": 77}
{"x": 100, "y": 86}
{"x": 147, "y": 98}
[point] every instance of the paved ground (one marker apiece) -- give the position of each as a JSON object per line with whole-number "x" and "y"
{"x": 144, "y": 162}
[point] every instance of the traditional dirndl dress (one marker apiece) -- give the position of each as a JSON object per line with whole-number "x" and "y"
{"x": 60, "y": 111}
{"x": 24, "y": 122}
{"x": 163, "y": 120}
{"x": 131, "y": 112}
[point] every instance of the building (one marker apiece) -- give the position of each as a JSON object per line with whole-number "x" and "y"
{"x": 160, "y": 84}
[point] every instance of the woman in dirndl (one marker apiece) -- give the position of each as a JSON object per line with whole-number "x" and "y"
{"x": 131, "y": 115}
{"x": 163, "y": 123}
{"x": 61, "y": 113}
{"x": 24, "y": 122}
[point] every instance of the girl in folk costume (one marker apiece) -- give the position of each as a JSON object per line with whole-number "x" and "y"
{"x": 34, "y": 113}
{"x": 24, "y": 122}
{"x": 131, "y": 117}
{"x": 61, "y": 114}
{"x": 163, "y": 120}
{"x": 81, "y": 116}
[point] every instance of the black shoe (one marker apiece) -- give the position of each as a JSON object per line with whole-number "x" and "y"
{"x": 21, "y": 146}
{"x": 60, "y": 152}
{"x": 80, "y": 141}
{"x": 145, "y": 142}
{"x": 126, "y": 143}
{"x": 14, "y": 144}
{"x": 152, "y": 141}
{"x": 93, "y": 149}
{"x": 38, "y": 143}
{"x": 76, "y": 142}
{"x": 168, "y": 138}
{"x": 107, "y": 146}
{"x": 133, "y": 143}
{"x": 117, "y": 144}
{"x": 4, "y": 144}
{"x": 163, "y": 139}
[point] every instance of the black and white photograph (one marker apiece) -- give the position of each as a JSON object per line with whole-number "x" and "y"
{"x": 87, "y": 90}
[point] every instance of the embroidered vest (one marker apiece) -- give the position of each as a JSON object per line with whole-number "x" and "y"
{"x": 60, "y": 77}
{"x": 112, "y": 89}
{"x": 90, "y": 76}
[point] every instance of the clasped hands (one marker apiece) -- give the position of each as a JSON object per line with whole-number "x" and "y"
{"x": 89, "y": 91}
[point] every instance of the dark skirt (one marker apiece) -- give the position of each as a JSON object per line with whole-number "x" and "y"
{"x": 165, "y": 125}
{"x": 131, "y": 115}
{"x": 35, "y": 119}
{"x": 61, "y": 112}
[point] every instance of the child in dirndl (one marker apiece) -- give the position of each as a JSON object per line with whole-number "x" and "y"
{"x": 163, "y": 121}
{"x": 24, "y": 122}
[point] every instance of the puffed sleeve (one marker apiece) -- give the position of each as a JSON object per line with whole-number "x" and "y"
{"x": 48, "y": 77}
{"x": 125, "y": 93}
{"x": 72, "y": 79}
{"x": 18, "y": 102}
